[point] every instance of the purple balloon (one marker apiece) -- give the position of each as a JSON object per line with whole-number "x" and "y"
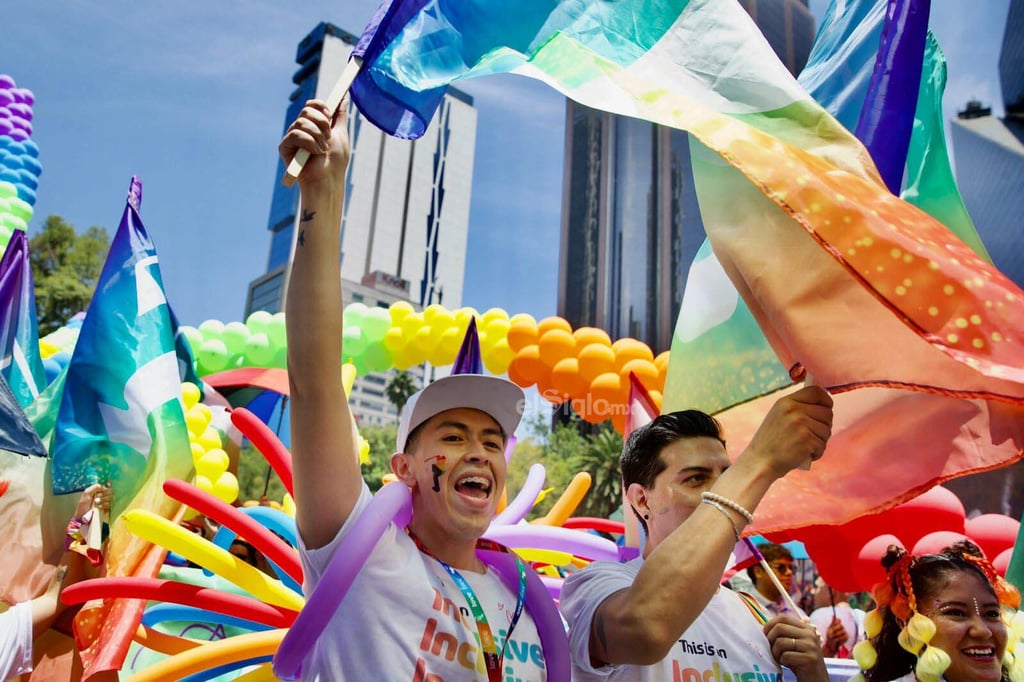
{"x": 556, "y": 538}
{"x": 6, "y": 98}
{"x": 20, "y": 109}
{"x": 21, "y": 124}
{"x": 23, "y": 95}
{"x": 6, "y": 126}
{"x": 6, "y": 82}
{"x": 520, "y": 506}
{"x": 18, "y": 134}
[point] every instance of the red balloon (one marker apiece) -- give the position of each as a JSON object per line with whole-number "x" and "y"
{"x": 937, "y": 509}
{"x": 867, "y": 568}
{"x": 933, "y": 543}
{"x": 992, "y": 532}
{"x": 1002, "y": 562}
{"x": 834, "y": 563}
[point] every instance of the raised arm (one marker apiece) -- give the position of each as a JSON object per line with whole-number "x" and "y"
{"x": 640, "y": 624}
{"x": 325, "y": 456}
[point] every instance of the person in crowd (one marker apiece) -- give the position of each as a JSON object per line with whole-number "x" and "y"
{"x": 23, "y": 622}
{"x": 423, "y": 606}
{"x": 664, "y": 616}
{"x": 765, "y": 590}
{"x": 840, "y": 625}
{"x": 940, "y": 617}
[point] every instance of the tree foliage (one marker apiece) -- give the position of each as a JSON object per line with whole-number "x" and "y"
{"x": 253, "y": 473}
{"x": 399, "y": 388}
{"x": 66, "y": 266}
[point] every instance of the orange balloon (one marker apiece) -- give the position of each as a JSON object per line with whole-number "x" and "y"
{"x": 515, "y": 377}
{"x": 565, "y": 375}
{"x": 645, "y": 371}
{"x": 521, "y": 334}
{"x": 556, "y": 344}
{"x": 528, "y": 365}
{"x": 661, "y": 362}
{"x": 581, "y": 406}
{"x": 549, "y": 391}
{"x": 630, "y": 349}
{"x": 586, "y": 335}
{"x": 606, "y": 395}
{"x": 619, "y": 422}
{"x": 594, "y": 360}
{"x": 656, "y": 398}
{"x": 553, "y": 322}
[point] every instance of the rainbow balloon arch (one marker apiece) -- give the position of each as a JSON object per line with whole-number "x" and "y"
{"x": 582, "y": 366}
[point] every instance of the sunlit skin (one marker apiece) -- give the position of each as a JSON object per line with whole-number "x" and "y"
{"x": 969, "y": 627}
{"x": 451, "y": 519}
{"x": 692, "y": 467}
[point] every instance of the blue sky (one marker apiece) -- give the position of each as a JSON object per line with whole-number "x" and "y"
{"x": 190, "y": 96}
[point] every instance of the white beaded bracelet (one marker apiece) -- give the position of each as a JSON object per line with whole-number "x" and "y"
{"x": 726, "y": 514}
{"x": 735, "y": 506}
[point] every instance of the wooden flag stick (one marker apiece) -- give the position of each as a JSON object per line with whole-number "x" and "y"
{"x": 778, "y": 585}
{"x": 298, "y": 162}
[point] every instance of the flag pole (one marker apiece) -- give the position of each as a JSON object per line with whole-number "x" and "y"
{"x": 341, "y": 87}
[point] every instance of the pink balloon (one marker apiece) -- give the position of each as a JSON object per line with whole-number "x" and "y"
{"x": 867, "y": 567}
{"x": 992, "y": 532}
{"x": 933, "y": 543}
{"x": 1002, "y": 562}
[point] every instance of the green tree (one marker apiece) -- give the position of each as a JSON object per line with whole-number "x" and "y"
{"x": 382, "y": 446}
{"x": 256, "y": 476}
{"x": 66, "y": 266}
{"x": 600, "y": 458}
{"x": 400, "y": 388}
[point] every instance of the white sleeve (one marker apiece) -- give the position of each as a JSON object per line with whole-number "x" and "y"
{"x": 582, "y": 593}
{"x": 316, "y": 561}
{"x": 16, "y": 641}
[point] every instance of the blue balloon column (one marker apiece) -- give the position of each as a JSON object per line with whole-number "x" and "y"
{"x": 19, "y": 159}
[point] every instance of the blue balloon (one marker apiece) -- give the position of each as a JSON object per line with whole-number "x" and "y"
{"x": 28, "y": 179}
{"x": 26, "y": 194}
{"x": 214, "y": 673}
{"x": 273, "y": 520}
{"x": 31, "y": 148}
{"x": 32, "y": 164}
{"x": 9, "y": 175}
{"x": 62, "y": 358}
{"x": 10, "y": 161}
{"x": 165, "y": 612}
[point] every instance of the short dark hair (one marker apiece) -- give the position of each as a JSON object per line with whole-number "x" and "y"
{"x": 641, "y": 460}
{"x": 770, "y": 551}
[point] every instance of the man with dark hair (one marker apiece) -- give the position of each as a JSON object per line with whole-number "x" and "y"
{"x": 664, "y": 616}
{"x": 780, "y": 560}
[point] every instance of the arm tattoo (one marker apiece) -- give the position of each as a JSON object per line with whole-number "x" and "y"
{"x": 307, "y": 215}
{"x": 302, "y": 237}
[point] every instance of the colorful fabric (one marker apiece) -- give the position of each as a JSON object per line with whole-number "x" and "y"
{"x": 20, "y": 362}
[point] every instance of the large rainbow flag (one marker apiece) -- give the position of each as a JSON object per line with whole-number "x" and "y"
{"x": 873, "y": 297}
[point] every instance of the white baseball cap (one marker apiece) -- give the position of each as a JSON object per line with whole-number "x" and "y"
{"x": 500, "y": 398}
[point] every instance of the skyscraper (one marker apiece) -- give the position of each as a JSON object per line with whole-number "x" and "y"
{"x": 989, "y": 154}
{"x": 406, "y": 215}
{"x": 630, "y": 220}
{"x": 407, "y": 202}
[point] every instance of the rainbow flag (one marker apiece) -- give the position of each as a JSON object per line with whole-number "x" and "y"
{"x": 121, "y": 420}
{"x": 876, "y": 299}
{"x": 20, "y": 361}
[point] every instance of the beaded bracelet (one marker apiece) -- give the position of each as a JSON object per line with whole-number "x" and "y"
{"x": 726, "y": 514}
{"x": 735, "y": 506}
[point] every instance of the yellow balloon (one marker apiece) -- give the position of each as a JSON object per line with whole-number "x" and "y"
{"x": 225, "y": 488}
{"x": 158, "y": 530}
{"x": 214, "y": 654}
{"x": 364, "y": 451}
{"x": 210, "y": 438}
{"x": 410, "y": 325}
{"x": 432, "y": 311}
{"x": 203, "y": 483}
{"x": 197, "y": 452}
{"x": 213, "y": 463}
{"x": 348, "y": 377}
{"x": 197, "y": 418}
{"x": 190, "y": 395}
{"x": 567, "y": 503}
{"x": 288, "y": 505}
{"x": 546, "y": 556}
{"x": 399, "y": 310}
{"x": 394, "y": 339}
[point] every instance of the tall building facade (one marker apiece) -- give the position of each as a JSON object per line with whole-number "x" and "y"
{"x": 406, "y": 216}
{"x": 631, "y": 224}
{"x": 989, "y": 154}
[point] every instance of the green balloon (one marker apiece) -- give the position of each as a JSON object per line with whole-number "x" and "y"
{"x": 355, "y": 313}
{"x": 213, "y": 356}
{"x": 235, "y": 335}
{"x": 7, "y": 190}
{"x": 258, "y": 351}
{"x": 376, "y": 323}
{"x": 377, "y": 357}
{"x": 258, "y": 321}
{"x": 276, "y": 331}
{"x": 353, "y": 343}
{"x": 212, "y": 329}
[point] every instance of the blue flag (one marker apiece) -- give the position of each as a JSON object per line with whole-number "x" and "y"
{"x": 121, "y": 417}
{"x": 20, "y": 362}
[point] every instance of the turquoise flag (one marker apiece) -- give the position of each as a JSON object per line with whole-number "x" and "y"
{"x": 121, "y": 417}
{"x": 20, "y": 362}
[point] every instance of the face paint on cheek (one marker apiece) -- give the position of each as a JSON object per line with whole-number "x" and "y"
{"x": 437, "y": 467}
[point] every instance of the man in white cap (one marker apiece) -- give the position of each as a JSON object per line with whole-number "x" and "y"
{"x": 423, "y": 607}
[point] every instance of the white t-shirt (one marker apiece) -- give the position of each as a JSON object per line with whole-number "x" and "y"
{"x": 16, "y": 641}
{"x": 404, "y": 618}
{"x": 725, "y": 638}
